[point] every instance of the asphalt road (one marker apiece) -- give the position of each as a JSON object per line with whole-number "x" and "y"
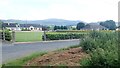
{"x": 18, "y": 50}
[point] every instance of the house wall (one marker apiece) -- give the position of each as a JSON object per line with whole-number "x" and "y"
{"x": 13, "y": 28}
{"x": 37, "y": 29}
{"x": 33, "y": 28}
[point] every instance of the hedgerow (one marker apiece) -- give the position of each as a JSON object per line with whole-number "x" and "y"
{"x": 7, "y": 35}
{"x": 64, "y": 36}
{"x": 102, "y": 49}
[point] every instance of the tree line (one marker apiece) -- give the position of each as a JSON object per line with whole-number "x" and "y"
{"x": 60, "y": 28}
{"x": 110, "y": 24}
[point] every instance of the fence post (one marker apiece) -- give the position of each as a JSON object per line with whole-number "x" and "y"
{"x": 13, "y": 36}
{"x": 44, "y": 36}
{"x": 3, "y": 34}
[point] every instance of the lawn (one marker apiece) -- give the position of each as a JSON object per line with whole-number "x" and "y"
{"x": 28, "y": 36}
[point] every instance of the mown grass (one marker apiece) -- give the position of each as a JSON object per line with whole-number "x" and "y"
{"x": 28, "y": 36}
{"x": 23, "y": 61}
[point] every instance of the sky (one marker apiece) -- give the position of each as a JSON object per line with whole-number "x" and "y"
{"x": 84, "y": 10}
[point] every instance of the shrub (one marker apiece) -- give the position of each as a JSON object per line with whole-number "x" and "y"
{"x": 64, "y": 36}
{"x": 25, "y": 29}
{"x": 8, "y": 36}
{"x": 102, "y": 47}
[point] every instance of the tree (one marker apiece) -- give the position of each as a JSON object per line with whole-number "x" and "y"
{"x": 73, "y": 28}
{"x": 48, "y": 27}
{"x": 62, "y": 27}
{"x": 58, "y": 27}
{"x": 65, "y": 27}
{"x": 110, "y": 24}
{"x": 55, "y": 27}
{"x": 80, "y": 25}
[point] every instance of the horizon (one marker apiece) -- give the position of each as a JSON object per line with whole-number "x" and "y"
{"x": 87, "y": 11}
{"x": 60, "y": 19}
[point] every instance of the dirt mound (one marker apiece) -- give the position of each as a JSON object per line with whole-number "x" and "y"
{"x": 69, "y": 57}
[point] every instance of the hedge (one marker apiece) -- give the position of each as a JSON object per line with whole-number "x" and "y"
{"x": 8, "y": 36}
{"x": 73, "y": 30}
{"x": 64, "y": 36}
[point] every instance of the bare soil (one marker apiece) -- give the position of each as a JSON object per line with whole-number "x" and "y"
{"x": 70, "y": 57}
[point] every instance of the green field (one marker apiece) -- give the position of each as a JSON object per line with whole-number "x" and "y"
{"x": 28, "y": 36}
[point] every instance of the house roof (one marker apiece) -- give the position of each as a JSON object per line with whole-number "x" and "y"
{"x": 9, "y": 24}
{"x": 28, "y": 25}
{"x": 21, "y": 25}
{"x": 94, "y": 26}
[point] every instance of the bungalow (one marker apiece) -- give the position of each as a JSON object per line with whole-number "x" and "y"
{"x": 94, "y": 27}
{"x": 11, "y": 26}
{"x": 32, "y": 27}
{"x": 19, "y": 27}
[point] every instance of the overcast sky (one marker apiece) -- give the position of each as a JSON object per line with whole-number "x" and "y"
{"x": 84, "y": 10}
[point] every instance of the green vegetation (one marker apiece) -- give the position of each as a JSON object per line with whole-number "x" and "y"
{"x": 80, "y": 25}
{"x": 25, "y": 29}
{"x": 23, "y": 61}
{"x": 62, "y": 49}
{"x": 1, "y": 24}
{"x": 64, "y": 36}
{"x": 25, "y": 36}
{"x": 102, "y": 48}
{"x": 7, "y": 35}
{"x": 110, "y": 24}
{"x": 60, "y": 28}
{"x": 28, "y": 36}
{"x": 75, "y": 31}
{"x": 70, "y": 34}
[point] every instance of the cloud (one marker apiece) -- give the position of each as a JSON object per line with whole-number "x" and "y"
{"x": 85, "y": 10}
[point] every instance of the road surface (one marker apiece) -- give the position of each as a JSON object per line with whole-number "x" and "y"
{"x": 18, "y": 50}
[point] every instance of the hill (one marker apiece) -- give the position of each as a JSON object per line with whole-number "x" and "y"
{"x": 44, "y": 22}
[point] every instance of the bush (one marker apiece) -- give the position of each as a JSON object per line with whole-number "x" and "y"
{"x": 64, "y": 36}
{"x": 102, "y": 47}
{"x": 73, "y": 31}
{"x": 25, "y": 29}
{"x": 8, "y": 36}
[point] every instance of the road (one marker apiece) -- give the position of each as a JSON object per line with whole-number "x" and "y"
{"x": 18, "y": 50}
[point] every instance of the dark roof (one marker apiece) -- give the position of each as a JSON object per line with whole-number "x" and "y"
{"x": 94, "y": 26}
{"x": 9, "y": 24}
{"x": 28, "y": 25}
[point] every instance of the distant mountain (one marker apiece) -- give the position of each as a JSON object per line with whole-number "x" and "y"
{"x": 44, "y": 22}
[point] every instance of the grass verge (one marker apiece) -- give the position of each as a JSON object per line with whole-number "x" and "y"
{"x": 62, "y": 49}
{"x": 22, "y": 61}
